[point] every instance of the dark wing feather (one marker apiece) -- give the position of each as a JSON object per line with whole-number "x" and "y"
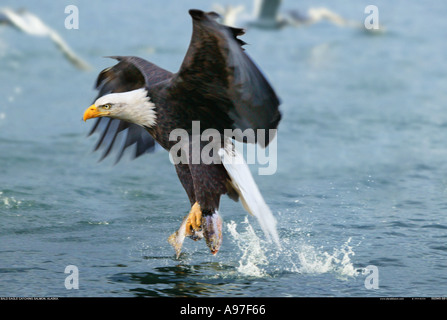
{"x": 128, "y": 74}
{"x": 228, "y": 87}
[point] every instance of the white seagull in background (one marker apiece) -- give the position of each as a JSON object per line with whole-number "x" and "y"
{"x": 266, "y": 16}
{"x": 30, "y": 24}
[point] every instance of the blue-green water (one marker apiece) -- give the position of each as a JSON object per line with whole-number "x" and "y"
{"x": 362, "y": 161}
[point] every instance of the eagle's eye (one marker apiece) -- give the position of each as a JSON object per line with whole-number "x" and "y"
{"x": 107, "y": 106}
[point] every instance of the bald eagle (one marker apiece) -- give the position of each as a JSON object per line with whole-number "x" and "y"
{"x": 219, "y": 86}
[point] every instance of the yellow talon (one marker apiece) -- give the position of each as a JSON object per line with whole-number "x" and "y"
{"x": 194, "y": 220}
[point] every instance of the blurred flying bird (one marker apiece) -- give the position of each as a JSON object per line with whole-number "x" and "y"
{"x": 29, "y": 23}
{"x": 266, "y": 15}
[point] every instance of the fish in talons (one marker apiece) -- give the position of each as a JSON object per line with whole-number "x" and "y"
{"x": 197, "y": 225}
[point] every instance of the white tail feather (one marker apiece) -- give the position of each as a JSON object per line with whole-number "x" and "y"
{"x": 243, "y": 182}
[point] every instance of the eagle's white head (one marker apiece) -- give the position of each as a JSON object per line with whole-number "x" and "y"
{"x": 132, "y": 106}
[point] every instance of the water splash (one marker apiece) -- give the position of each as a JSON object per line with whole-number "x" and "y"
{"x": 253, "y": 257}
{"x": 8, "y": 202}
{"x": 312, "y": 260}
{"x": 296, "y": 256}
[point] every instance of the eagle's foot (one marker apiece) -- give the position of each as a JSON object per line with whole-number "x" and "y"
{"x": 193, "y": 228}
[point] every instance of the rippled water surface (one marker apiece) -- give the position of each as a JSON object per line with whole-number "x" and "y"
{"x": 361, "y": 176}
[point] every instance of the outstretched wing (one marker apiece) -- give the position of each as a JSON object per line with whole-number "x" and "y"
{"x": 222, "y": 83}
{"x": 128, "y": 74}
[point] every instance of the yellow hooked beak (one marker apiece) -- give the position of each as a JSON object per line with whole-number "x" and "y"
{"x": 93, "y": 112}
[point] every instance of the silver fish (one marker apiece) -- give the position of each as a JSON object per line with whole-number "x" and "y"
{"x": 212, "y": 231}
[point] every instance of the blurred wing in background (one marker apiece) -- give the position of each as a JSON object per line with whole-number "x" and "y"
{"x": 29, "y": 23}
